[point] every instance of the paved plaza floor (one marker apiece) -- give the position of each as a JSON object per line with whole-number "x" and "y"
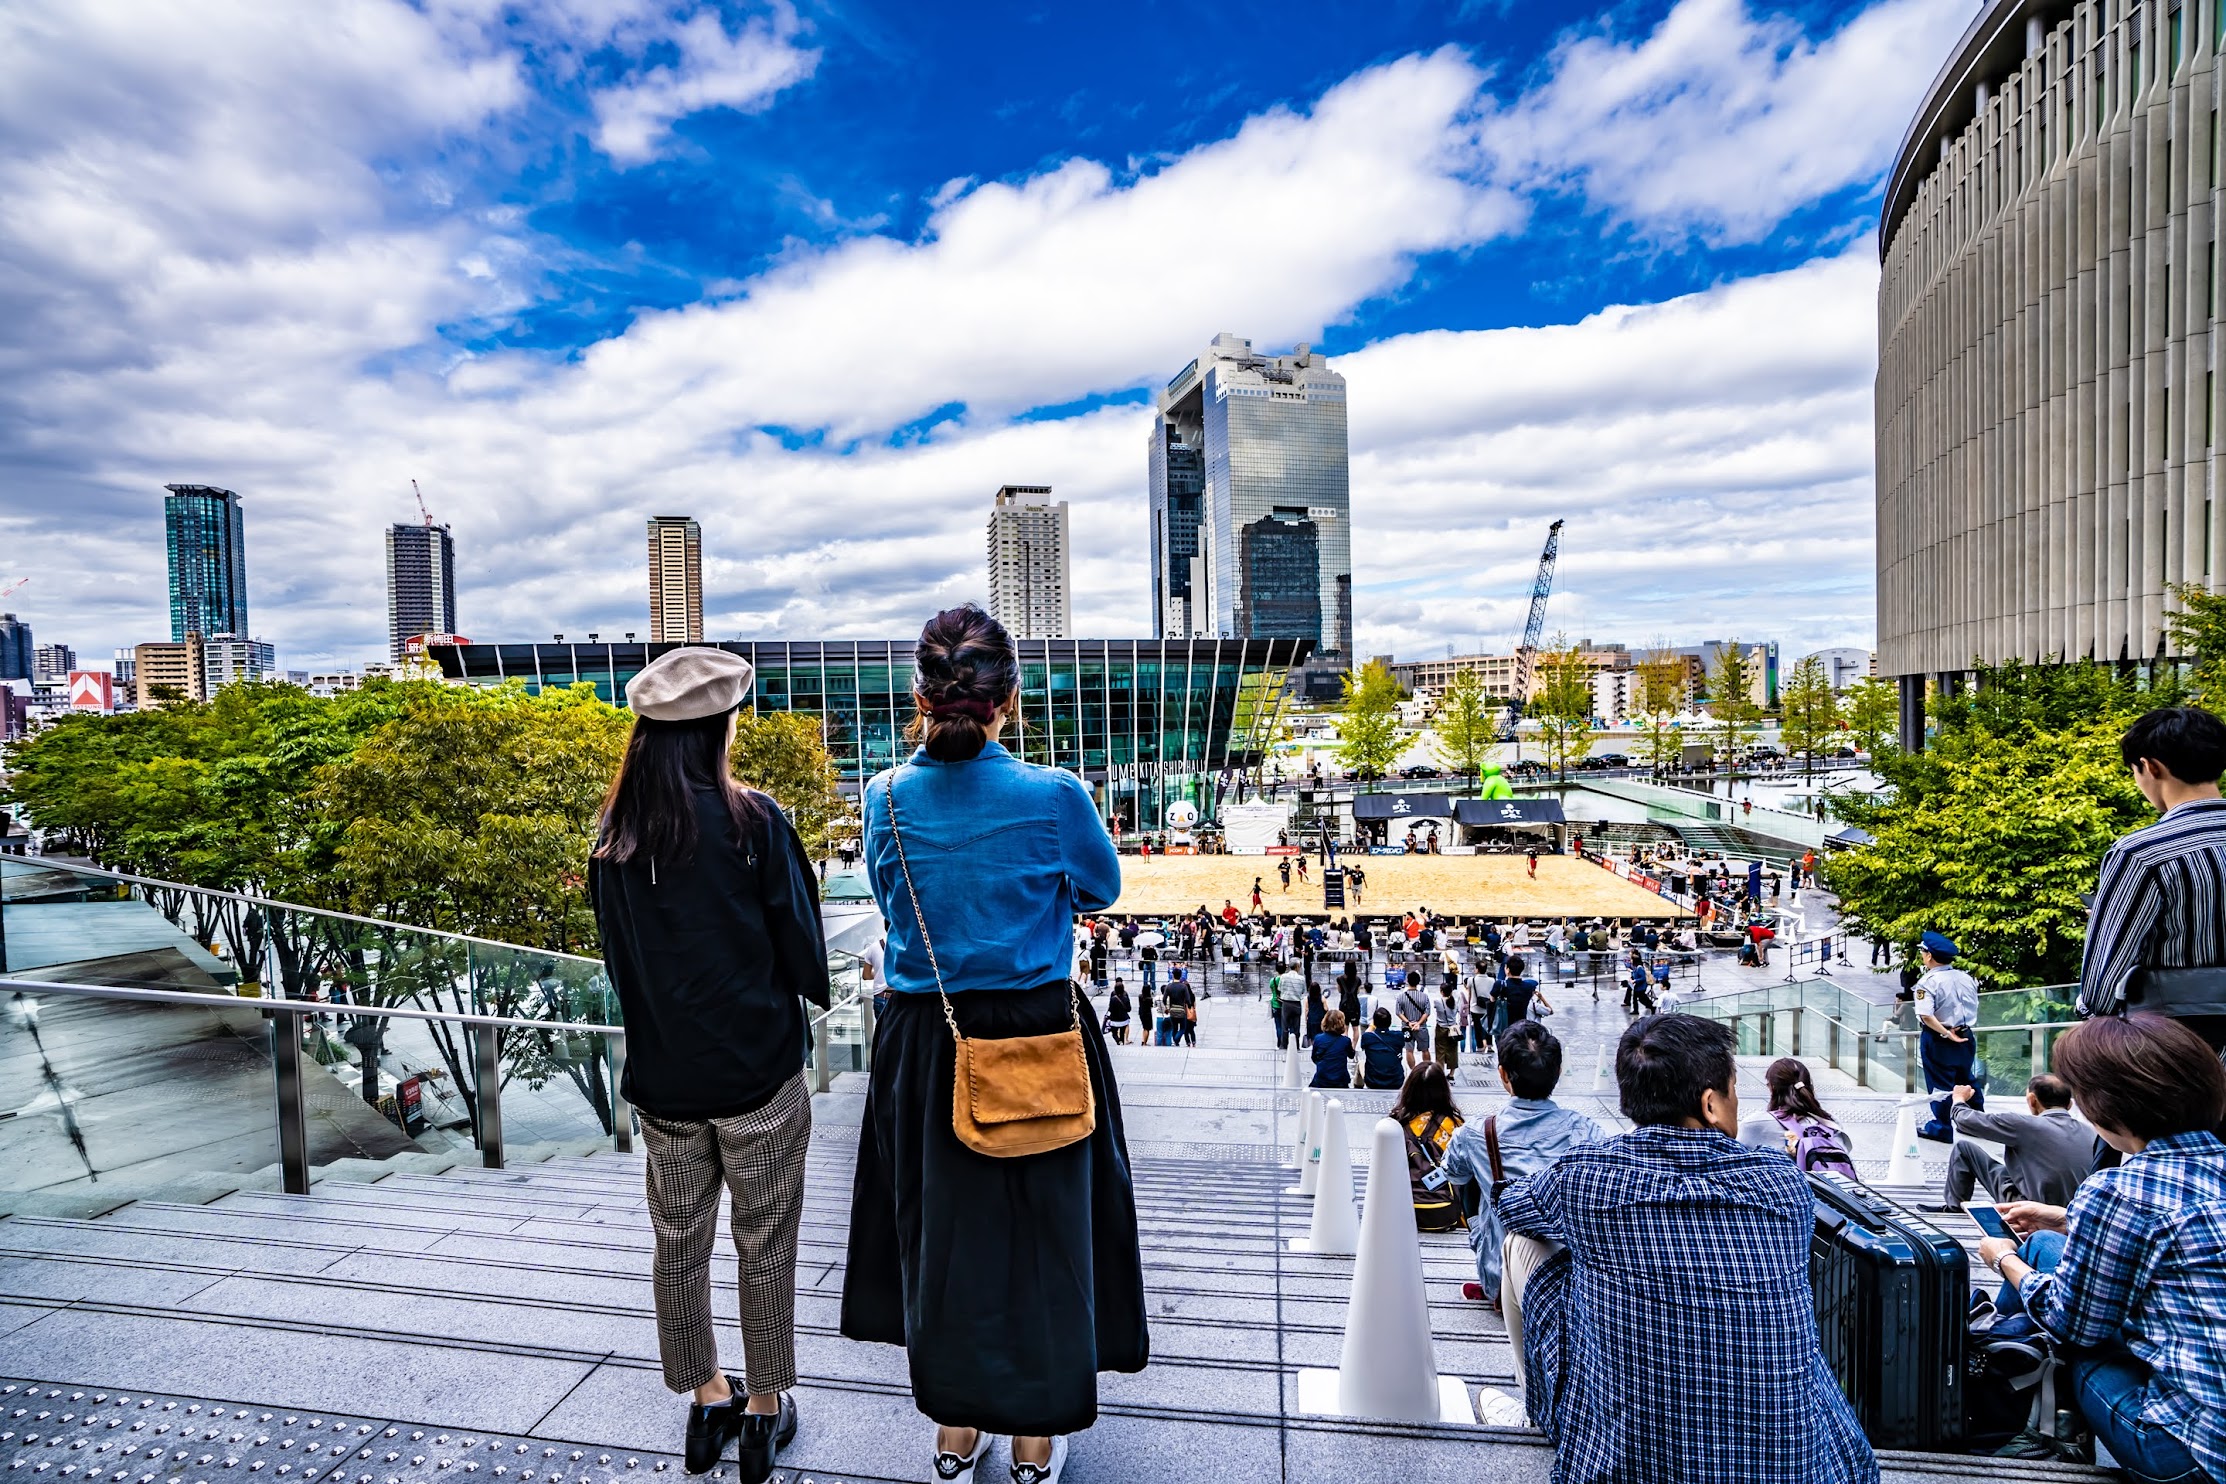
{"x": 1451, "y": 885}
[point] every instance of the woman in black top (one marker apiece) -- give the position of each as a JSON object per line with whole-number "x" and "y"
{"x": 709, "y": 913}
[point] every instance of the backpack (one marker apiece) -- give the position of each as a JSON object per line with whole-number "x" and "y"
{"x": 1434, "y": 1210}
{"x": 1817, "y": 1144}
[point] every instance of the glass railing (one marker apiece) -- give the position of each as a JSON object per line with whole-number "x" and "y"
{"x": 1876, "y": 1044}
{"x": 139, "y": 1035}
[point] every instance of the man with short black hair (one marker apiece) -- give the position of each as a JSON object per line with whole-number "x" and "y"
{"x": 2046, "y": 1150}
{"x": 1673, "y": 1338}
{"x": 1524, "y": 1137}
{"x": 2160, "y": 901}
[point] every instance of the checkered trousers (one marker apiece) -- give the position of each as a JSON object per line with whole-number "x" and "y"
{"x": 759, "y": 1159}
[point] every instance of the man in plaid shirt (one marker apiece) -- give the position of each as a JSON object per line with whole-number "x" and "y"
{"x": 1670, "y": 1335}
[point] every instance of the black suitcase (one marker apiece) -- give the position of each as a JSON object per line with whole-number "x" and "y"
{"x": 1893, "y": 1303}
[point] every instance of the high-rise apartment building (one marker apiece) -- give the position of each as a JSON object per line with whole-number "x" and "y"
{"x": 1029, "y": 569}
{"x": 207, "y": 541}
{"x": 180, "y": 667}
{"x": 51, "y": 664}
{"x": 420, "y": 583}
{"x": 18, "y": 655}
{"x": 228, "y": 660}
{"x": 1251, "y": 502}
{"x": 126, "y": 666}
{"x": 675, "y": 580}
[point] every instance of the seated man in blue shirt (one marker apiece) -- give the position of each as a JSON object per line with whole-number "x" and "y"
{"x": 1531, "y": 1132}
{"x": 1671, "y": 1339}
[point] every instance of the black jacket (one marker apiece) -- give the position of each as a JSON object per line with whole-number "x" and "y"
{"x": 709, "y": 959}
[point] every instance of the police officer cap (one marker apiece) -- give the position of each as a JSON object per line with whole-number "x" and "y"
{"x": 1938, "y": 945}
{"x": 689, "y": 684}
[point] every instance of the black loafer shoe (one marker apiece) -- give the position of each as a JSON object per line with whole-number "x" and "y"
{"x": 712, "y": 1428}
{"x": 764, "y": 1435}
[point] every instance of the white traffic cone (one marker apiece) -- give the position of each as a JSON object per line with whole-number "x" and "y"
{"x": 1388, "y": 1365}
{"x": 1310, "y": 1146}
{"x": 1600, "y": 1067}
{"x": 1905, "y": 1168}
{"x": 1335, "y": 1230}
{"x": 1291, "y": 1075}
{"x": 1304, "y": 1143}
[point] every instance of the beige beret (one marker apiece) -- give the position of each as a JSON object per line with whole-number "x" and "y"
{"x": 688, "y": 684}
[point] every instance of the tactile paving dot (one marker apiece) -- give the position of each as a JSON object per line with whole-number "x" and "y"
{"x": 53, "y": 1433}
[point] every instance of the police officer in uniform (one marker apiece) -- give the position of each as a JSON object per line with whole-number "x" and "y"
{"x": 1947, "y": 1008}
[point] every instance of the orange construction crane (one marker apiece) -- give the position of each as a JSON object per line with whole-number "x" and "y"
{"x": 11, "y": 587}
{"x": 421, "y": 510}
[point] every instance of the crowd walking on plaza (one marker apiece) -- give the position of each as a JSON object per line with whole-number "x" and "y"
{"x": 1656, "y": 1283}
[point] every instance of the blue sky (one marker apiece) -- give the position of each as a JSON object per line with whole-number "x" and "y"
{"x": 824, "y": 275}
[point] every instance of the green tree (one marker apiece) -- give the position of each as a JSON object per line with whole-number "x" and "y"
{"x": 1563, "y": 708}
{"x": 1732, "y": 681}
{"x": 1368, "y": 728}
{"x": 785, "y": 754}
{"x": 1808, "y": 712}
{"x": 1466, "y": 733}
{"x": 2199, "y": 631}
{"x": 1659, "y": 695}
{"x": 1873, "y": 714}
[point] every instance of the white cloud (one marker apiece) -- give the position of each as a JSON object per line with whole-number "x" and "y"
{"x": 744, "y": 70}
{"x": 238, "y": 275}
{"x": 1719, "y": 122}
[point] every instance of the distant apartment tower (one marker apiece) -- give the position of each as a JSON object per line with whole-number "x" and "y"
{"x": 51, "y": 664}
{"x": 1029, "y": 570}
{"x": 18, "y": 655}
{"x": 675, "y": 580}
{"x": 228, "y": 660}
{"x": 126, "y": 664}
{"x": 180, "y": 666}
{"x": 1251, "y": 501}
{"x": 420, "y": 583}
{"x": 207, "y": 540}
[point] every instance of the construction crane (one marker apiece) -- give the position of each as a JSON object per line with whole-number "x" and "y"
{"x": 1526, "y": 653}
{"x": 11, "y": 587}
{"x": 421, "y": 510}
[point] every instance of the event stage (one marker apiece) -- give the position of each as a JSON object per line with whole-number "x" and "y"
{"x": 1450, "y": 885}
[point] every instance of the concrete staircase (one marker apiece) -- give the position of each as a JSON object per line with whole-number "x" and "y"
{"x": 428, "y": 1319}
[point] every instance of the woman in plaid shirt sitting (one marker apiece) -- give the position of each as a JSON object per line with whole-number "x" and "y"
{"x": 2131, "y": 1278}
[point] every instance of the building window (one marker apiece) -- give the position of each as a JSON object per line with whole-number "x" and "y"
{"x": 2210, "y": 409}
{"x": 2179, "y": 40}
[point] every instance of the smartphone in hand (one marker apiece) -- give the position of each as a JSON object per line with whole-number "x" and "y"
{"x": 1989, "y": 1219}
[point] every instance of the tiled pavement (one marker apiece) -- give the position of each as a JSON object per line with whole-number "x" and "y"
{"x": 511, "y": 1309}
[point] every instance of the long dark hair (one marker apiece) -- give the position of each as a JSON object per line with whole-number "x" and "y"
{"x": 1792, "y": 1090}
{"x": 965, "y": 669}
{"x": 650, "y": 811}
{"x": 1426, "y": 1091}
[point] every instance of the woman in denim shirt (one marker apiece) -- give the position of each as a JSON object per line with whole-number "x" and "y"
{"x": 1011, "y": 1283}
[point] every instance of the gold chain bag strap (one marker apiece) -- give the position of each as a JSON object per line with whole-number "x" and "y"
{"x": 1020, "y": 1095}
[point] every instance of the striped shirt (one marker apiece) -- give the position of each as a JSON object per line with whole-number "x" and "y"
{"x": 2161, "y": 903}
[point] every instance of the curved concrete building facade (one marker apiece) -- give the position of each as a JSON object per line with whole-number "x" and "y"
{"x": 2047, "y": 396}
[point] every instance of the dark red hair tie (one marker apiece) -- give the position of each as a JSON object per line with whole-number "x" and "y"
{"x": 980, "y": 711}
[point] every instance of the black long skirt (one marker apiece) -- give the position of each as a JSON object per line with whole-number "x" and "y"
{"x": 1010, "y": 1282}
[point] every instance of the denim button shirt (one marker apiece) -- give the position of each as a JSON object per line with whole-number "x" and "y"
{"x": 1533, "y": 1133}
{"x": 1003, "y": 854}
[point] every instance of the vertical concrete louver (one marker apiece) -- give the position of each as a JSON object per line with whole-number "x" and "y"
{"x": 2047, "y": 399}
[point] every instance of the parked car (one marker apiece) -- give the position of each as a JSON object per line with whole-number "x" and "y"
{"x": 1612, "y": 760}
{"x": 1528, "y": 767}
{"x": 1419, "y": 770}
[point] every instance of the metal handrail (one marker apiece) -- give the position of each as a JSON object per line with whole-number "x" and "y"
{"x": 302, "y": 1007}
{"x": 269, "y": 902}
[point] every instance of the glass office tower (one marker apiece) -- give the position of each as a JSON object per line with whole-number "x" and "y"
{"x": 1270, "y": 553}
{"x": 1144, "y": 722}
{"x": 207, "y": 540}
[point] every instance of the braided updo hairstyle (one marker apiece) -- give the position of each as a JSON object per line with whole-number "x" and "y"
{"x": 963, "y": 673}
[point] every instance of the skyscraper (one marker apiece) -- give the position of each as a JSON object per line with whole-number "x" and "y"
{"x": 1028, "y": 566}
{"x": 1251, "y": 501}
{"x": 18, "y": 655}
{"x": 51, "y": 664}
{"x": 675, "y": 580}
{"x": 420, "y": 583}
{"x": 207, "y": 539}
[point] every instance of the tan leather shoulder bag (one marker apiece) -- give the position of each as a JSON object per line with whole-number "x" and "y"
{"x": 1021, "y": 1095}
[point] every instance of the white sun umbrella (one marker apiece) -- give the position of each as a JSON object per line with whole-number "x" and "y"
{"x": 1150, "y": 940}
{"x": 851, "y": 927}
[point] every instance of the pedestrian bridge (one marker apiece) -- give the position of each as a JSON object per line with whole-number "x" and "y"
{"x": 229, "y": 1297}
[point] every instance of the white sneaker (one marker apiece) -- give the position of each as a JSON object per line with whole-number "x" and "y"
{"x": 1043, "y": 1473}
{"x": 953, "y": 1468}
{"x": 1495, "y": 1408}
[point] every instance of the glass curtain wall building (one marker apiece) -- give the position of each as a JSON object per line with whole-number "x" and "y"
{"x": 1145, "y": 722}
{"x": 207, "y": 540}
{"x": 1251, "y": 501}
